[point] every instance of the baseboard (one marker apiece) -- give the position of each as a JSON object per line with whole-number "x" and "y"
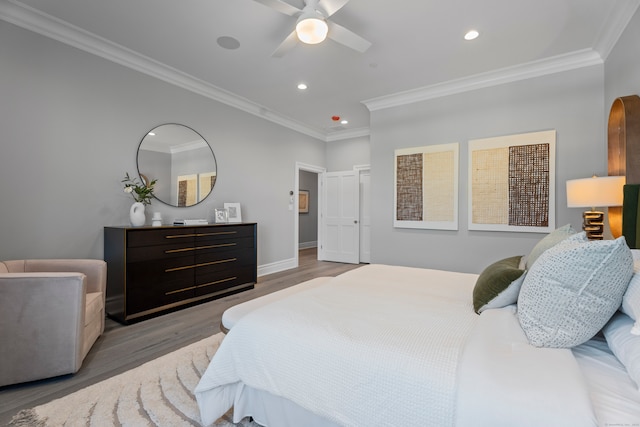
{"x": 276, "y": 267}
{"x": 308, "y": 245}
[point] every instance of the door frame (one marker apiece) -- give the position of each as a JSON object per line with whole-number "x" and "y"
{"x": 320, "y": 171}
{"x": 366, "y": 168}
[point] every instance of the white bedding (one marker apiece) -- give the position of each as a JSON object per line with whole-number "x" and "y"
{"x": 388, "y": 346}
{"x": 315, "y": 349}
{"x": 615, "y": 397}
{"x": 504, "y": 381}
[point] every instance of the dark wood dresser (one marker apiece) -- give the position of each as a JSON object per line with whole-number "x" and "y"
{"x": 151, "y": 270}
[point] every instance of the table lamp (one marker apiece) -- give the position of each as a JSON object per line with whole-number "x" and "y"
{"x": 597, "y": 191}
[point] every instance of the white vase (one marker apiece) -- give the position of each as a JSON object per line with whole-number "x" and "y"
{"x": 136, "y": 214}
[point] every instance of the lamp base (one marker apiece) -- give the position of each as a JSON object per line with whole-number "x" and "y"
{"x": 593, "y": 224}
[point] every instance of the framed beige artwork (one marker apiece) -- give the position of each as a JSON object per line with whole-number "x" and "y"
{"x": 426, "y": 187}
{"x": 303, "y": 201}
{"x": 512, "y": 183}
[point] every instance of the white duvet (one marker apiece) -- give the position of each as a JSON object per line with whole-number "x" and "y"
{"x": 390, "y": 346}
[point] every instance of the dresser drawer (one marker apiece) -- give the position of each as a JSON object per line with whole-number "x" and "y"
{"x": 143, "y": 298}
{"x": 227, "y": 233}
{"x": 160, "y": 252}
{"x": 223, "y": 245}
{"x": 154, "y": 284}
{"x": 219, "y": 281}
{"x": 215, "y": 258}
{"x": 154, "y": 273}
{"x": 177, "y": 235}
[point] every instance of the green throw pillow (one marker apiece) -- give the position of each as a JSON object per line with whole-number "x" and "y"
{"x": 498, "y": 285}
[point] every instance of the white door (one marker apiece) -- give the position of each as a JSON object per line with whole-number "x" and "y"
{"x": 365, "y": 217}
{"x": 340, "y": 217}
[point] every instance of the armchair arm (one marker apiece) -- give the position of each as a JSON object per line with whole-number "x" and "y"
{"x": 42, "y": 317}
{"x": 94, "y": 269}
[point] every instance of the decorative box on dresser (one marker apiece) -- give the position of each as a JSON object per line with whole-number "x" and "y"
{"x": 151, "y": 270}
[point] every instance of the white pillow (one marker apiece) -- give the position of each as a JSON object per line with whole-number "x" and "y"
{"x": 631, "y": 298}
{"x": 572, "y": 290}
{"x": 550, "y": 240}
{"x": 624, "y": 345}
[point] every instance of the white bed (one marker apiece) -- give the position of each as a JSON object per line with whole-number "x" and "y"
{"x": 388, "y": 346}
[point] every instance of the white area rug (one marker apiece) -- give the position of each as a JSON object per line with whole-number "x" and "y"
{"x": 158, "y": 393}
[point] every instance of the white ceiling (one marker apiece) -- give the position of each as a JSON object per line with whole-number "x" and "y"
{"x": 418, "y": 50}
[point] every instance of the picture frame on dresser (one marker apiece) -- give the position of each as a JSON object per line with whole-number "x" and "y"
{"x": 234, "y": 212}
{"x": 221, "y": 216}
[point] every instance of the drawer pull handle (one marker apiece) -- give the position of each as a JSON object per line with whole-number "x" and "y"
{"x": 222, "y": 261}
{"x": 204, "y": 264}
{"x": 222, "y": 245}
{"x": 179, "y": 236}
{"x": 175, "y": 251}
{"x": 220, "y": 233}
{"x": 180, "y": 290}
{"x": 216, "y": 282}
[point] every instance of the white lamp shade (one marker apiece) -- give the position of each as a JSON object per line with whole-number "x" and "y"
{"x": 599, "y": 191}
{"x": 312, "y": 30}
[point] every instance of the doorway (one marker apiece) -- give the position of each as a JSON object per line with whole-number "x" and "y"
{"x": 306, "y": 172}
{"x": 308, "y": 210}
{"x": 316, "y": 175}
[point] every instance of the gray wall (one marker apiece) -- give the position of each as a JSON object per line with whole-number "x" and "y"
{"x": 70, "y": 124}
{"x": 308, "y": 222}
{"x": 569, "y": 102}
{"x": 343, "y": 155}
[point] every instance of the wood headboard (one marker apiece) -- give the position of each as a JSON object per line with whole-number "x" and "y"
{"x": 624, "y": 160}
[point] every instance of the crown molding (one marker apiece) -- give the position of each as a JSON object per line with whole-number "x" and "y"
{"x": 348, "y": 134}
{"x": 556, "y": 64}
{"x": 615, "y": 26}
{"x": 31, "y": 19}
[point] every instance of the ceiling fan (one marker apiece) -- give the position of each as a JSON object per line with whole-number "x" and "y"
{"x": 313, "y": 25}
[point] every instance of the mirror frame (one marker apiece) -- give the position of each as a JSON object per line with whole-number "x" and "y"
{"x": 143, "y": 175}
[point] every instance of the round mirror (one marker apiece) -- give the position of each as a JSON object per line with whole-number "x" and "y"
{"x": 181, "y": 161}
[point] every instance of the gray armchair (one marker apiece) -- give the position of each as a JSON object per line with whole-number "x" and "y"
{"x": 51, "y": 313}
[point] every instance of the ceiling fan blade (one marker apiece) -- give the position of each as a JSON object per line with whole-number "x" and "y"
{"x": 280, "y": 6}
{"x": 348, "y": 38}
{"x": 332, "y": 6}
{"x": 289, "y": 43}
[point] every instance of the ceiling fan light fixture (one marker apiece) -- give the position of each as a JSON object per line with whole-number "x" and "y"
{"x": 471, "y": 35}
{"x": 311, "y": 29}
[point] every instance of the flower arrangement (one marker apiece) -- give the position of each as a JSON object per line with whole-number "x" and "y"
{"x": 140, "y": 191}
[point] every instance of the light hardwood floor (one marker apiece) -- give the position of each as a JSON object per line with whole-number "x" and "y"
{"x": 121, "y": 348}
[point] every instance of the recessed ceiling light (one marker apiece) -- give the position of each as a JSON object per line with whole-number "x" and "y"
{"x": 471, "y": 35}
{"x": 345, "y": 122}
{"x": 302, "y": 86}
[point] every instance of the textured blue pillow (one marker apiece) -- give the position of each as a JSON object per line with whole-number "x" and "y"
{"x": 572, "y": 290}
